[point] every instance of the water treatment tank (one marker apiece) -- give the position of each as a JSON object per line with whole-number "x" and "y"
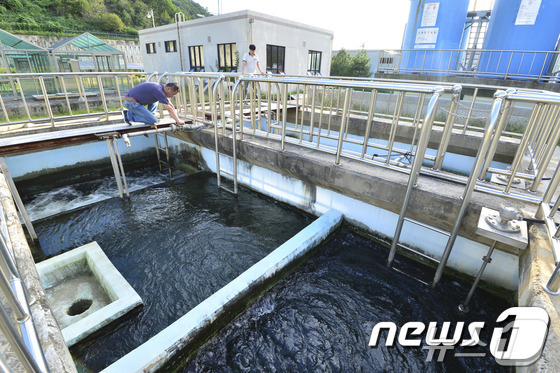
{"x": 433, "y": 25}
{"x": 523, "y": 31}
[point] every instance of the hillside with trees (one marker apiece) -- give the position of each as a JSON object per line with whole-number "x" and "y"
{"x": 114, "y": 16}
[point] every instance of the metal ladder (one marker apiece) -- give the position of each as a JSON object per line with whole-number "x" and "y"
{"x": 159, "y": 148}
{"x": 233, "y": 157}
{"x": 496, "y": 122}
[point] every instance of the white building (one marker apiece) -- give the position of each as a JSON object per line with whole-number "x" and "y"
{"x": 218, "y": 43}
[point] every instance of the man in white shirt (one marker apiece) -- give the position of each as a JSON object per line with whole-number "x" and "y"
{"x": 251, "y": 61}
{"x": 250, "y": 65}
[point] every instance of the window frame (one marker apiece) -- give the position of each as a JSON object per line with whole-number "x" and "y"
{"x": 196, "y": 51}
{"x": 275, "y": 55}
{"x": 168, "y": 44}
{"x": 151, "y": 48}
{"x": 313, "y": 67}
{"x": 227, "y": 63}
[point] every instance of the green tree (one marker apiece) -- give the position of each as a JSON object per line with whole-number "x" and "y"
{"x": 361, "y": 64}
{"x": 345, "y": 64}
{"x": 111, "y": 22}
{"x": 341, "y": 62}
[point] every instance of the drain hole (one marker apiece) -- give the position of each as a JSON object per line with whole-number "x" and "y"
{"x": 78, "y": 307}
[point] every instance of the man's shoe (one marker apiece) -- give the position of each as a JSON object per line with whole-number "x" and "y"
{"x": 125, "y": 117}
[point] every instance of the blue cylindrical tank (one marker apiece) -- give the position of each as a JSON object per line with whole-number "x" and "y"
{"x": 520, "y": 25}
{"x": 433, "y": 25}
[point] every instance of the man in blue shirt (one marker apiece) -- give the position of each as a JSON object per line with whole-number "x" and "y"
{"x": 141, "y": 102}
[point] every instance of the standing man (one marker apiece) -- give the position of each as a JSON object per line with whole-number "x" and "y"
{"x": 141, "y": 102}
{"x": 251, "y": 61}
{"x": 250, "y": 65}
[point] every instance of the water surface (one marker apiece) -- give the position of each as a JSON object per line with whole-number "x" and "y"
{"x": 176, "y": 243}
{"x": 320, "y": 318}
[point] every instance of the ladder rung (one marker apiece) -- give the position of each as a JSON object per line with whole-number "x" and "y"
{"x": 226, "y": 173}
{"x": 227, "y": 189}
{"x": 158, "y": 148}
{"x": 417, "y": 252}
{"x": 427, "y": 226}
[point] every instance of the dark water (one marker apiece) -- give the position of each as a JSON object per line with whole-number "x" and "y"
{"x": 175, "y": 243}
{"x": 320, "y": 318}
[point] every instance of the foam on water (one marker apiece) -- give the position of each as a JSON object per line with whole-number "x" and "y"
{"x": 74, "y": 196}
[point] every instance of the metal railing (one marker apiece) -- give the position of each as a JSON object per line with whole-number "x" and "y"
{"x": 374, "y": 120}
{"x": 378, "y": 121}
{"x": 18, "y": 328}
{"x": 476, "y": 63}
{"x": 58, "y": 97}
{"x": 341, "y": 117}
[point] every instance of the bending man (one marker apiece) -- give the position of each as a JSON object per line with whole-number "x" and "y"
{"x": 141, "y": 102}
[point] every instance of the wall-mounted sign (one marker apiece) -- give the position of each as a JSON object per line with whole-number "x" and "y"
{"x": 528, "y": 12}
{"x": 429, "y": 17}
{"x": 426, "y": 35}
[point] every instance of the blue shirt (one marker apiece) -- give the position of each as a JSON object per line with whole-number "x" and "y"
{"x": 147, "y": 93}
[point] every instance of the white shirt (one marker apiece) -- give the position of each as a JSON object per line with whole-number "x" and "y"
{"x": 252, "y": 61}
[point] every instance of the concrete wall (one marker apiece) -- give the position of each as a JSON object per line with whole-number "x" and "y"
{"x": 369, "y": 197}
{"x": 33, "y": 165}
{"x": 242, "y": 28}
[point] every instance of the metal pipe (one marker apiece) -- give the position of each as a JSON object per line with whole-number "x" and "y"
{"x": 475, "y": 93}
{"x": 554, "y": 139}
{"x": 416, "y": 165}
{"x": 13, "y": 288}
{"x": 46, "y": 99}
{"x": 23, "y": 99}
{"x": 395, "y": 123}
{"x": 369, "y": 122}
{"x": 17, "y": 199}
{"x": 448, "y": 127}
{"x": 312, "y": 120}
{"x": 284, "y": 115}
{"x": 118, "y": 154}
{"x": 464, "y": 307}
{"x": 342, "y": 126}
{"x": 495, "y": 114}
{"x": 495, "y": 141}
{"x": 102, "y": 94}
{"x": 25, "y": 356}
{"x": 115, "y": 166}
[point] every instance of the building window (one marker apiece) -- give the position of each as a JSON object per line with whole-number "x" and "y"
{"x": 386, "y": 60}
{"x": 314, "y": 66}
{"x": 151, "y": 48}
{"x": 171, "y": 46}
{"x": 227, "y": 57}
{"x": 275, "y": 59}
{"x": 196, "y": 55}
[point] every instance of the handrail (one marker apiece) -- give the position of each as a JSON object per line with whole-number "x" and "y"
{"x": 448, "y": 63}
{"x": 23, "y": 337}
{"x": 318, "y": 97}
{"x": 485, "y": 145}
{"x": 415, "y": 171}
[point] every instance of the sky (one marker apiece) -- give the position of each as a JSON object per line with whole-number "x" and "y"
{"x": 373, "y": 24}
{"x": 376, "y": 24}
